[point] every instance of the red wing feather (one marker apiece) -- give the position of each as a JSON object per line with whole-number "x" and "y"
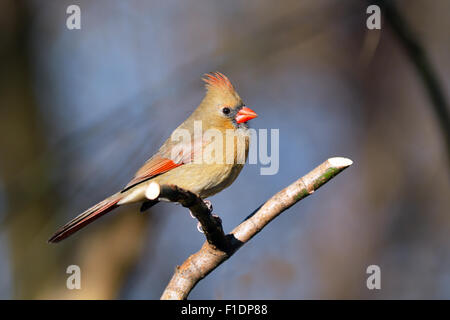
{"x": 161, "y": 162}
{"x": 152, "y": 168}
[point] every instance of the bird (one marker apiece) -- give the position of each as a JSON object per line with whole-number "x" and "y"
{"x": 202, "y": 165}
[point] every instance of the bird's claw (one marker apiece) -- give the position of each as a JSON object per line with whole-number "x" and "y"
{"x": 208, "y": 204}
{"x": 210, "y": 208}
{"x": 199, "y": 228}
{"x": 217, "y": 217}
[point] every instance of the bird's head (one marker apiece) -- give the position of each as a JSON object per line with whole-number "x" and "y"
{"x": 222, "y": 107}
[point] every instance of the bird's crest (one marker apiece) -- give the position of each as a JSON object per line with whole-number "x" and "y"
{"x": 217, "y": 80}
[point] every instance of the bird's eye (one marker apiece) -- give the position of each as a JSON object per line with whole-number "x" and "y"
{"x": 226, "y": 110}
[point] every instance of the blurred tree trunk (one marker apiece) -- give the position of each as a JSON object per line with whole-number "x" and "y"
{"x": 39, "y": 269}
{"x": 22, "y": 139}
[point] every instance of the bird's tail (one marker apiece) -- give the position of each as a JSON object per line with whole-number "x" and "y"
{"x": 86, "y": 217}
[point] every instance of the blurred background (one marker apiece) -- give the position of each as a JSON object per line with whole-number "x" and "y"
{"x": 81, "y": 110}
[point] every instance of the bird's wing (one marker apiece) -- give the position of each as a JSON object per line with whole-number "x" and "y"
{"x": 156, "y": 165}
{"x": 169, "y": 156}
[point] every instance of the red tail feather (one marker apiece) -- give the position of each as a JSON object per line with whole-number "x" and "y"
{"x": 86, "y": 217}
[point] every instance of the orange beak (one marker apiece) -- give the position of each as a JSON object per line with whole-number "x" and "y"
{"x": 245, "y": 114}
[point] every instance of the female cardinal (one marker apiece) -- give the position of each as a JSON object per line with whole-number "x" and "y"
{"x": 186, "y": 164}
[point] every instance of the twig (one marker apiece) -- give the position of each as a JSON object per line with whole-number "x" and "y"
{"x": 210, "y": 256}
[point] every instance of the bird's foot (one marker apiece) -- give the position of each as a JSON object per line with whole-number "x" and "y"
{"x": 210, "y": 208}
{"x": 208, "y": 204}
{"x": 217, "y": 218}
{"x": 199, "y": 228}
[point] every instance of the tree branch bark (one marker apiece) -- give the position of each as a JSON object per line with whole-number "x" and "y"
{"x": 219, "y": 247}
{"x": 211, "y": 224}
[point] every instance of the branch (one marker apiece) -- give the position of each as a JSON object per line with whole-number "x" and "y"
{"x": 211, "y": 225}
{"x": 219, "y": 247}
{"x": 421, "y": 62}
